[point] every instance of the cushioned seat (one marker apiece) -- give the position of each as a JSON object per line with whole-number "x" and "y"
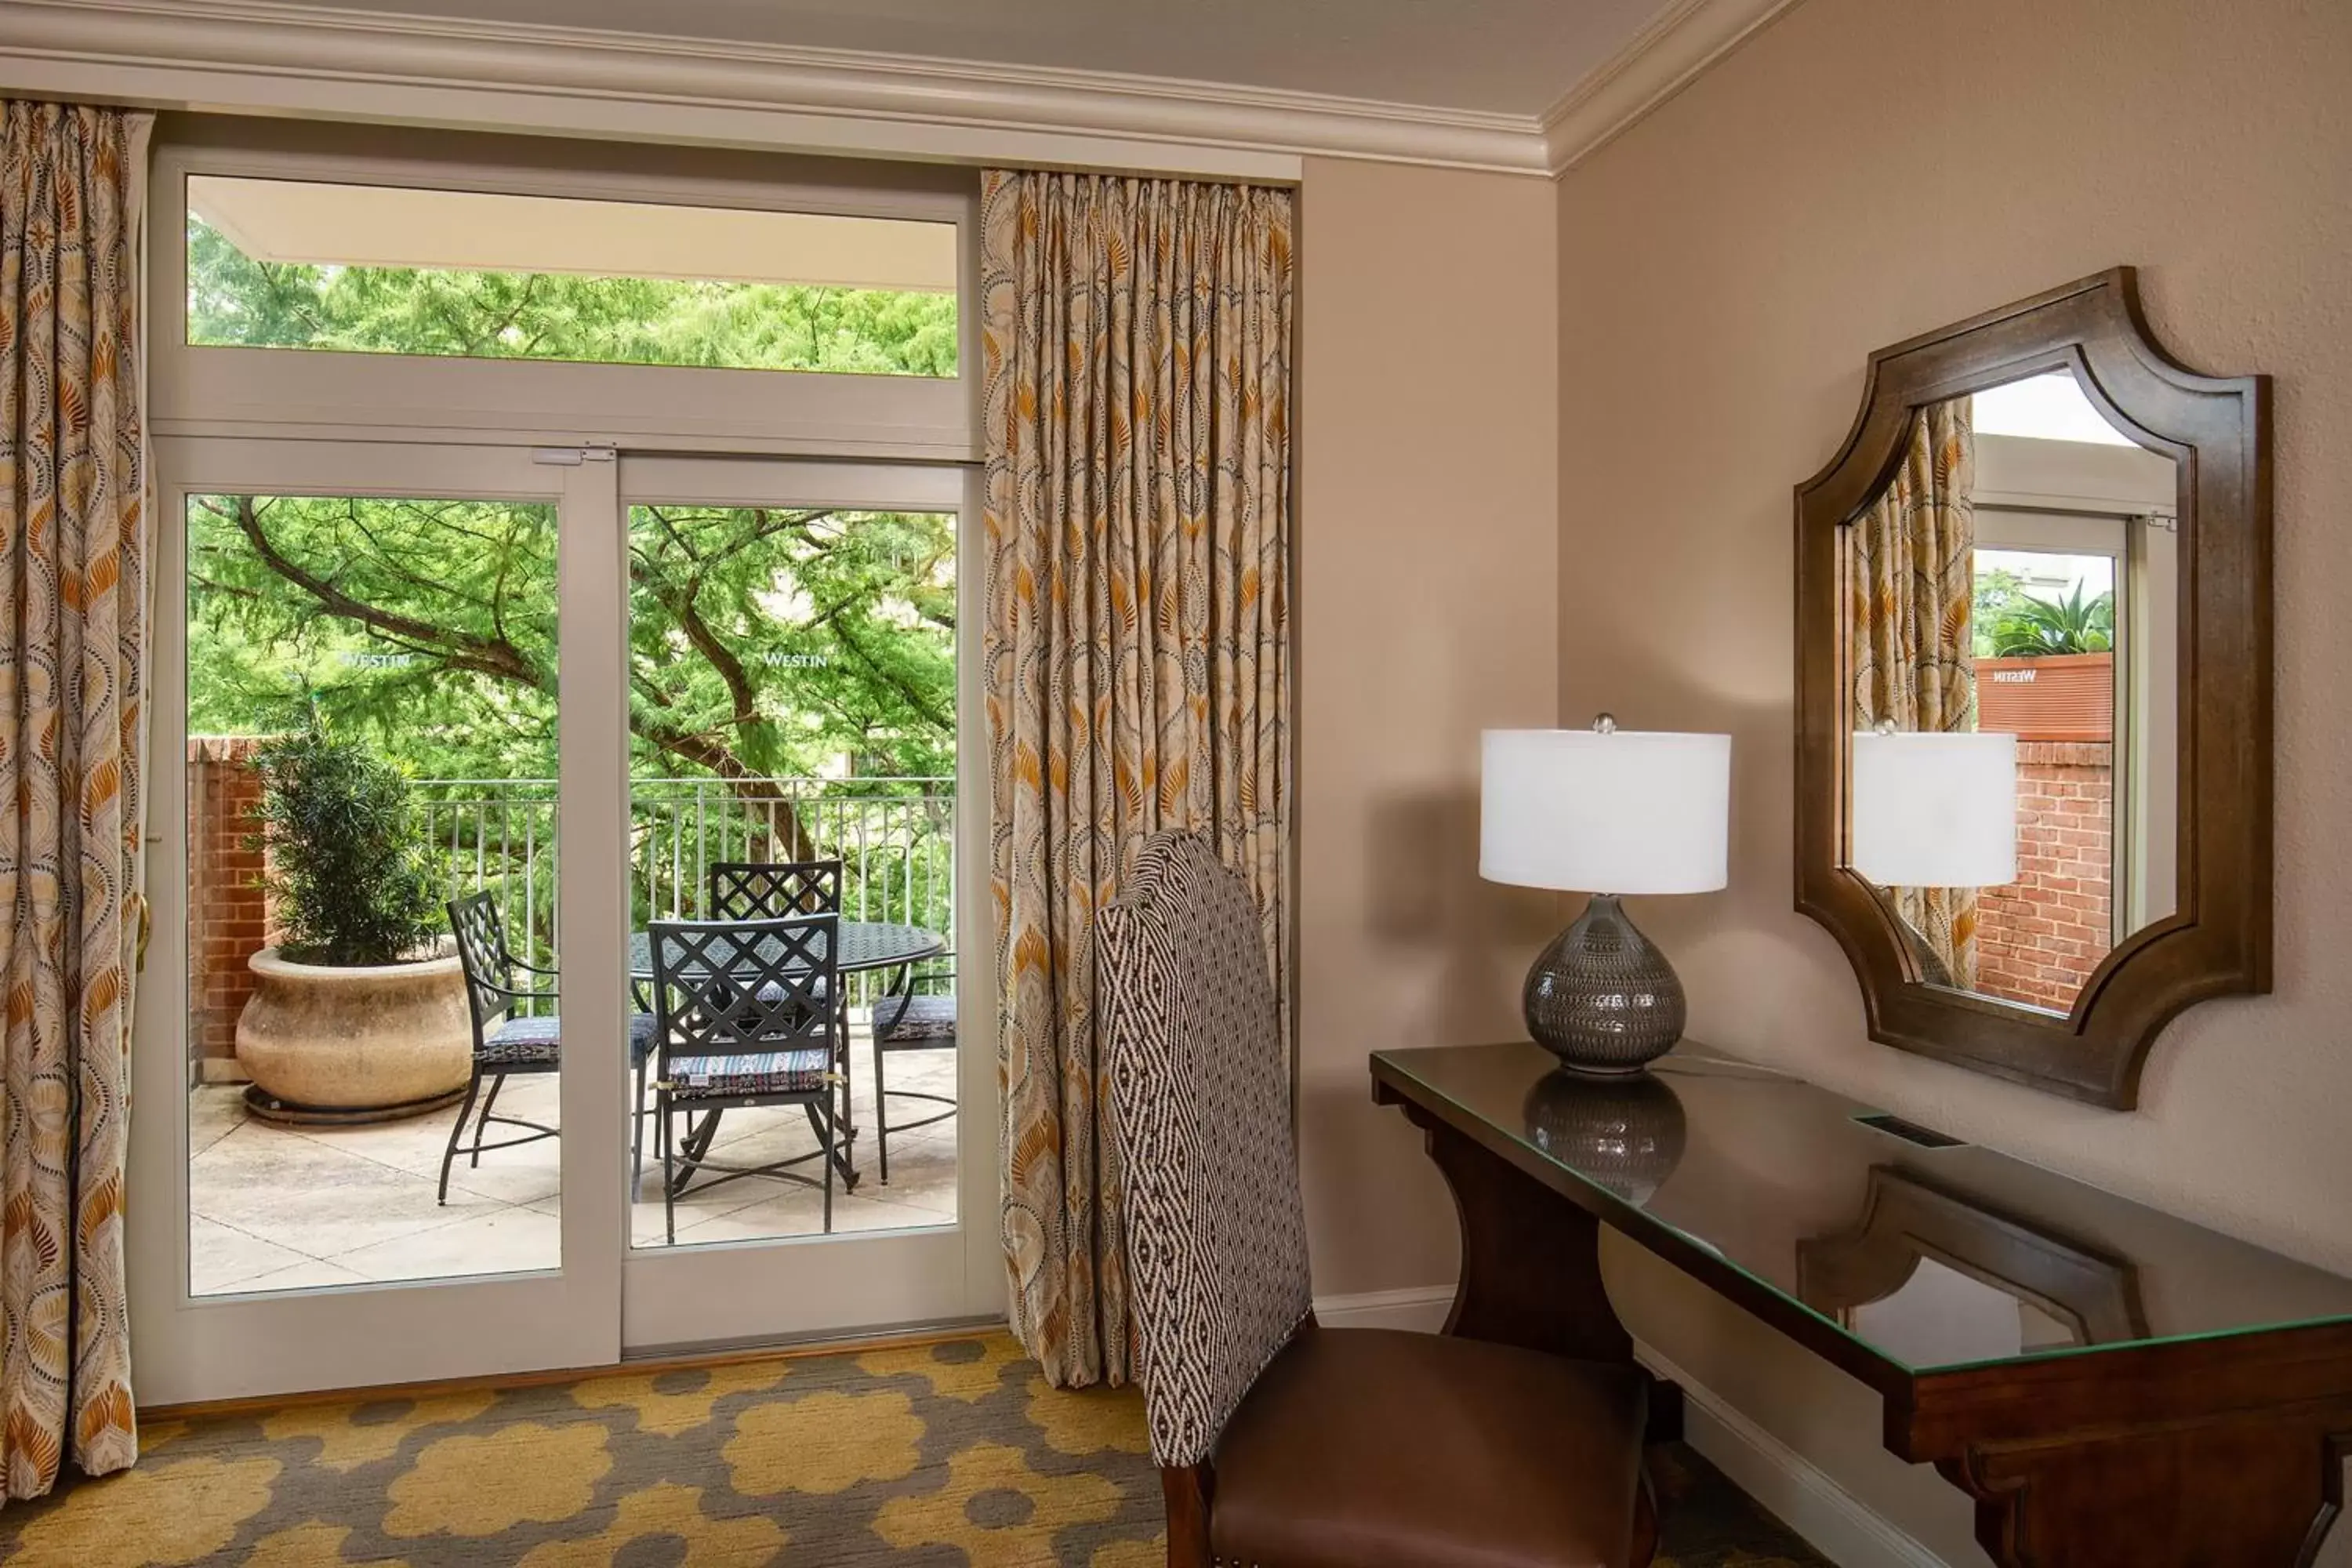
{"x": 773, "y": 1072}
{"x": 924, "y": 1018}
{"x": 538, "y": 1041}
{"x": 1374, "y": 1448}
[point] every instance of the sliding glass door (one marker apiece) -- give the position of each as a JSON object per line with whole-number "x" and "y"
{"x": 377, "y": 667}
{"x": 793, "y": 679}
{"x": 464, "y": 692}
{"x": 544, "y": 700}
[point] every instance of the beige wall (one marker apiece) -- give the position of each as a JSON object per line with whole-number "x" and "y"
{"x": 1428, "y": 539}
{"x": 1862, "y": 171}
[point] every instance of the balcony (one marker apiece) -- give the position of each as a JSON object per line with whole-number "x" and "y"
{"x": 282, "y": 1207}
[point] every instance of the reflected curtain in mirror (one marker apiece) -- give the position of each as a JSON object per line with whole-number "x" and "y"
{"x": 1136, "y": 344}
{"x": 73, "y": 603}
{"x": 1913, "y": 663}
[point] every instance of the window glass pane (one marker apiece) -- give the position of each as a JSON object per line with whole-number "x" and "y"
{"x": 371, "y": 734}
{"x": 792, "y": 716}
{"x": 294, "y": 264}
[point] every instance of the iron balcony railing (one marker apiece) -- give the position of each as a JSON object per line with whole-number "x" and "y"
{"x": 895, "y": 837}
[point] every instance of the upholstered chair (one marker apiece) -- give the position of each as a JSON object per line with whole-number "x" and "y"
{"x": 1282, "y": 1443}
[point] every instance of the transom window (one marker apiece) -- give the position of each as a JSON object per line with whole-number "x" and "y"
{"x": 299, "y": 264}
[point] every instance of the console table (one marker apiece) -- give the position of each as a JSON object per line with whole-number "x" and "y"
{"x": 2112, "y": 1385}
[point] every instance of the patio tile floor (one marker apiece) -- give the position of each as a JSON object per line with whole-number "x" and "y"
{"x": 277, "y": 1208}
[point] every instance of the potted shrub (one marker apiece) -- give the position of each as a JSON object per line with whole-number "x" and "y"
{"x": 2046, "y": 667}
{"x": 357, "y": 1013}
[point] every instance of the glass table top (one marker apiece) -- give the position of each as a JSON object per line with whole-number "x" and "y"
{"x": 1930, "y": 1253}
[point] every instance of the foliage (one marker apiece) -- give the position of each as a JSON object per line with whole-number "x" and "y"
{"x": 763, "y": 641}
{"x": 1998, "y": 591}
{"x": 350, "y": 887}
{"x": 2035, "y": 628}
{"x": 236, "y": 301}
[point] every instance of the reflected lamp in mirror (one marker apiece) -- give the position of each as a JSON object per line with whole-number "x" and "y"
{"x": 1606, "y": 812}
{"x": 1934, "y": 811}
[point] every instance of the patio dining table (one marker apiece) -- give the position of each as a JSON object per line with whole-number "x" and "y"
{"x": 865, "y": 945}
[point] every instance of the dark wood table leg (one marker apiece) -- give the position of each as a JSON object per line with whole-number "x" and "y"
{"x": 1530, "y": 1258}
{"x": 2260, "y": 1490}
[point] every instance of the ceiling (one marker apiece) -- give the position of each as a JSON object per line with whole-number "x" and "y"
{"x": 1508, "y": 57}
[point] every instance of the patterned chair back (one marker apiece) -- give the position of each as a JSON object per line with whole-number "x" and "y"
{"x": 482, "y": 954}
{"x": 745, "y": 990}
{"x": 1216, "y": 1235}
{"x": 767, "y": 890}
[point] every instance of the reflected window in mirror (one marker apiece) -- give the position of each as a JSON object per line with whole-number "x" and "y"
{"x": 1941, "y": 1315}
{"x": 2013, "y": 596}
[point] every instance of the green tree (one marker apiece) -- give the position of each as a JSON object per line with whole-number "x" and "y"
{"x": 236, "y": 301}
{"x": 763, "y": 641}
{"x": 1997, "y": 593}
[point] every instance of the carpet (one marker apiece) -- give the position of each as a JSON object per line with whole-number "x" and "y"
{"x": 914, "y": 1455}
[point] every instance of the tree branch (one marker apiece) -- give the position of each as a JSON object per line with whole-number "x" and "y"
{"x": 485, "y": 655}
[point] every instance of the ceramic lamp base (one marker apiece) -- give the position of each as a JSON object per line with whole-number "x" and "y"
{"x": 1601, "y": 997}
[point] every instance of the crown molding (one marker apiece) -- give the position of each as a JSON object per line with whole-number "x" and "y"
{"x": 1657, "y": 62}
{"x": 266, "y": 57}
{"x": 276, "y": 57}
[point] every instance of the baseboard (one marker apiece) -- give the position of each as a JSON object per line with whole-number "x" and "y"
{"x": 1806, "y": 1497}
{"x": 1423, "y": 1308}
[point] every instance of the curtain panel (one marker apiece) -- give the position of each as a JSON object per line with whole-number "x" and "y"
{"x": 73, "y": 611}
{"x": 1136, "y": 350}
{"x": 1914, "y": 577}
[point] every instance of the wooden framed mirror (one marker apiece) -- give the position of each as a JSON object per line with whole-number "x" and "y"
{"x": 2034, "y": 691}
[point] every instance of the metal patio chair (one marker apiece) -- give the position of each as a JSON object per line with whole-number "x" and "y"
{"x": 743, "y": 1017}
{"x": 507, "y": 1043}
{"x": 915, "y": 1017}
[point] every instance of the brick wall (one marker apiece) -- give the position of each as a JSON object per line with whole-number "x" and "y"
{"x": 2039, "y": 939}
{"x": 228, "y": 915}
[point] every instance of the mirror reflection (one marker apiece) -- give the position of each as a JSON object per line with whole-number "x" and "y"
{"x": 2013, "y": 638}
{"x": 1933, "y": 1278}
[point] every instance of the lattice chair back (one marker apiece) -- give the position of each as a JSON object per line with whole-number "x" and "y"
{"x": 732, "y": 998}
{"x": 482, "y": 954}
{"x": 767, "y": 890}
{"x": 1216, "y": 1235}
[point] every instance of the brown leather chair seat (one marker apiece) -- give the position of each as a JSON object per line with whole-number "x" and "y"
{"x": 1374, "y": 1448}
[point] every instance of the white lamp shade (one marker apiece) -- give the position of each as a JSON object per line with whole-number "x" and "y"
{"x": 1624, "y": 812}
{"x": 1935, "y": 811}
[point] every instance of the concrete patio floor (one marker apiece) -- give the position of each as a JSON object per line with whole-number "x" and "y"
{"x": 283, "y": 1208}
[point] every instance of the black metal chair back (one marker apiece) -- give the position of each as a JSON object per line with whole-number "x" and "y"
{"x": 490, "y": 990}
{"x": 770, "y": 889}
{"x": 744, "y": 990}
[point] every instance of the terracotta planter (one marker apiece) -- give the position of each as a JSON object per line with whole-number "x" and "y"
{"x": 2057, "y": 697}
{"x": 390, "y": 1037}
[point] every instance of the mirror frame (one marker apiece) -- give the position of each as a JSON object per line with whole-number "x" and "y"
{"x": 2218, "y": 940}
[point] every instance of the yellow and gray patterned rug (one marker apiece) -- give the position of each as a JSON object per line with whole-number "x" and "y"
{"x": 945, "y": 1453}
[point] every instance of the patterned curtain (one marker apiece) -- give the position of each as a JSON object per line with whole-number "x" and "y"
{"x": 1913, "y": 574}
{"x": 1136, "y": 347}
{"x": 72, "y": 616}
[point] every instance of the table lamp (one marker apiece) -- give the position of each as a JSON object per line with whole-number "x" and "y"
{"x": 1607, "y": 812}
{"x": 1933, "y": 811}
